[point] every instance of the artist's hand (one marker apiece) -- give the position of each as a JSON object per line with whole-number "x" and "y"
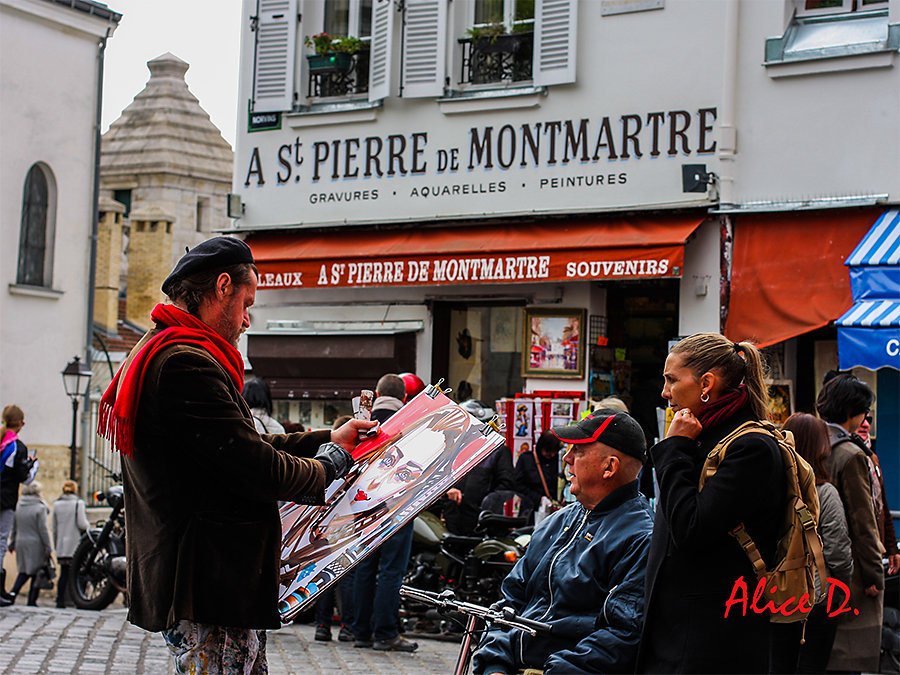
{"x": 872, "y": 591}
{"x": 347, "y": 435}
{"x": 893, "y": 563}
{"x": 684, "y": 424}
{"x": 454, "y": 495}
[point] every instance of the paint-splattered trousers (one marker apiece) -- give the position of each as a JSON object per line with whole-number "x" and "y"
{"x": 200, "y": 648}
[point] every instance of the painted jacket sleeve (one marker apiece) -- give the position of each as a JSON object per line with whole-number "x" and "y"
{"x": 856, "y": 492}
{"x": 727, "y": 497}
{"x": 612, "y": 647}
{"x": 195, "y": 398}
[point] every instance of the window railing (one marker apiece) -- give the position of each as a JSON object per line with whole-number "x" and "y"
{"x": 338, "y": 74}
{"x": 500, "y": 58}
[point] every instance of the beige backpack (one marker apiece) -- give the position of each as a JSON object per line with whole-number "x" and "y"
{"x": 798, "y": 556}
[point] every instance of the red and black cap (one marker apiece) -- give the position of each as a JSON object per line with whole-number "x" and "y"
{"x": 611, "y": 427}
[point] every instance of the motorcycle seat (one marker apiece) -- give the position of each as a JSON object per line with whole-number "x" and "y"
{"x": 489, "y": 519}
{"x": 460, "y": 540}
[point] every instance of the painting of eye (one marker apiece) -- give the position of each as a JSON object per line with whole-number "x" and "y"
{"x": 388, "y": 461}
{"x": 403, "y": 475}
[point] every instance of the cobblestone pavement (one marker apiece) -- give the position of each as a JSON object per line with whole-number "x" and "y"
{"x": 50, "y": 640}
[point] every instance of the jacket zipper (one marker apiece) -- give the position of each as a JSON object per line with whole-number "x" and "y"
{"x": 549, "y": 578}
{"x": 608, "y": 596}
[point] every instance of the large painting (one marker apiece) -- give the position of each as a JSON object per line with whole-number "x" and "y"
{"x": 422, "y": 450}
{"x": 553, "y": 344}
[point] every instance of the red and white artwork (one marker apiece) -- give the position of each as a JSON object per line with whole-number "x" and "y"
{"x": 421, "y": 452}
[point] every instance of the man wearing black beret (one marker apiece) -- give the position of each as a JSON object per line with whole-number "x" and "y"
{"x": 201, "y": 485}
{"x": 583, "y": 572}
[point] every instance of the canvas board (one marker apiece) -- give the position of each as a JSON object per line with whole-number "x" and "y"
{"x": 421, "y": 452}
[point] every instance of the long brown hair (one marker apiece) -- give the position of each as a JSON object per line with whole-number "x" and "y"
{"x": 811, "y": 442}
{"x": 735, "y": 363}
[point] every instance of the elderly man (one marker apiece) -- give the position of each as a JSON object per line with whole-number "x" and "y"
{"x": 201, "y": 484}
{"x": 583, "y": 572}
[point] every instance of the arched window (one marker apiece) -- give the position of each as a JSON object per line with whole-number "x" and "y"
{"x": 36, "y": 232}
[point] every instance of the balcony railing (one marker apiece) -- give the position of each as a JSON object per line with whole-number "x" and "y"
{"x": 502, "y": 58}
{"x": 338, "y": 74}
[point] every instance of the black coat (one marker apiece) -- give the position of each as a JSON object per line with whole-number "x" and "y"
{"x": 494, "y": 473}
{"x": 694, "y": 562}
{"x": 528, "y": 481}
{"x": 13, "y": 476}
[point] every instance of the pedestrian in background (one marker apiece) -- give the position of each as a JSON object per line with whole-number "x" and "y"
{"x": 324, "y": 611}
{"x": 788, "y": 654}
{"x": 714, "y": 386}
{"x": 882, "y": 510}
{"x": 843, "y": 403}
{"x": 30, "y": 541}
{"x": 15, "y": 469}
{"x": 537, "y": 472}
{"x": 69, "y": 523}
{"x": 258, "y": 396}
{"x": 376, "y": 594}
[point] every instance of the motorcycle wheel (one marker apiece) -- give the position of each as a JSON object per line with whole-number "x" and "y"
{"x": 89, "y": 584}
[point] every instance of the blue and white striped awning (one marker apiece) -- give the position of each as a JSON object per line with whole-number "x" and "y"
{"x": 881, "y": 245}
{"x": 872, "y": 314}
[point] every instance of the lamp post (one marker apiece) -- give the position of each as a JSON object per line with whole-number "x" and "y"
{"x": 76, "y": 378}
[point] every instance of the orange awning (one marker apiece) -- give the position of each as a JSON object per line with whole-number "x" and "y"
{"x": 788, "y": 275}
{"x": 571, "y": 250}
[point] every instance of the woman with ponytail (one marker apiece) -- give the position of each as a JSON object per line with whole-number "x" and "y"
{"x": 695, "y": 566}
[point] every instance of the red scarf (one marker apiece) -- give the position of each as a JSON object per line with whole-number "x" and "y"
{"x": 723, "y": 408}
{"x": 118, "y": 407}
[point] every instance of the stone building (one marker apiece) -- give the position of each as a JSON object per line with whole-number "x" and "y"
{"x": 165, "y": 172}
{"x": 167, "y": 164}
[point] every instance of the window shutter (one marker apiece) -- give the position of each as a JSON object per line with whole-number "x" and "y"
{"x": 555, "y": 35}
{"x": 276, "y": 51}
{"x": 424, "y": 47}
{"x": 380, "y": 54}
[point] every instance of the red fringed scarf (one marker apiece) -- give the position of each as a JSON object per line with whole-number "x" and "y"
{"x": 118, "y": 407}
{"x": 723, "y": 408}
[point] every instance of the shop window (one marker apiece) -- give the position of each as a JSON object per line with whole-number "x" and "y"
{"x": 482, "y": 357}
{"x": 344, "y": 70}
{"x": 36, "y": 231}
{"x": 824, "y": 33}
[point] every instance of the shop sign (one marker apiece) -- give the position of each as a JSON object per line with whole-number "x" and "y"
{"x": 514, "y": 165}
{"x": 633, "y": 263}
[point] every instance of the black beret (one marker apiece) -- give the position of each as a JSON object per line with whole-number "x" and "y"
{"x": 215, "y": 253}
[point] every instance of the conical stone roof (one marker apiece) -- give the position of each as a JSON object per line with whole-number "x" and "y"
{"x": 165, "y": 131}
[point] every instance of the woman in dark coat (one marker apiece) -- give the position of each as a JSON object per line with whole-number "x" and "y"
{"x": 528, "y": 474}
{"x": 714, "y": 386}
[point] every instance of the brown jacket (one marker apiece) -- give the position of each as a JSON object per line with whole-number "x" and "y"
{"x": 858, "y": 640}
{"x": 201, "y": 493}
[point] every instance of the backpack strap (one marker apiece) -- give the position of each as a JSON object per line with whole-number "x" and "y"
{"x": 749, "y": 546}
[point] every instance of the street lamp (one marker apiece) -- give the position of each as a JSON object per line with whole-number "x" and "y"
{"x": 76, "y": 378}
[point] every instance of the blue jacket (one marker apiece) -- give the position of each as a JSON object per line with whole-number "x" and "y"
{"x": 583, "y": 573}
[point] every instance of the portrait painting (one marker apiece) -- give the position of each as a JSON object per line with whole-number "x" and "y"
{"x": 421, "y": 452}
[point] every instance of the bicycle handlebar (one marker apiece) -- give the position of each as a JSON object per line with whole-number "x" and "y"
{"x": 505, "y": 616}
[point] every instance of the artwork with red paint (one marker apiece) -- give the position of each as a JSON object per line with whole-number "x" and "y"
{"x": 421, "y": 452}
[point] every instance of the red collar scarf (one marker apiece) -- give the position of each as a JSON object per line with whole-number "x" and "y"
{"x": 723, "y": 408}
{"x": 118, "y": 407}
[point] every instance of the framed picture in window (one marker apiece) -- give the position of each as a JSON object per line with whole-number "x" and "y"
{"x": 552, "y": 343}
{"x": 781, "y": 400}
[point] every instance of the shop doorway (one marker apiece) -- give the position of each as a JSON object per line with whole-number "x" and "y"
{"x": 478, "y": 349}
{"x": 642, "y": 318}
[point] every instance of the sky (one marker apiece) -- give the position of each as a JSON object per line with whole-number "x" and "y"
{"x": 205, "y": 33}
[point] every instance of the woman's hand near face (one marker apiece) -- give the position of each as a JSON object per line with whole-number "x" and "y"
{"x": 684, "y": 424}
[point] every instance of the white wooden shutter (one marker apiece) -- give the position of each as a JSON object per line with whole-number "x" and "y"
{"x": 381, "y": 48}
{"x": 424, "y": 47}
{"x": 276, "y": 52}
{"x": 555, "y": 31}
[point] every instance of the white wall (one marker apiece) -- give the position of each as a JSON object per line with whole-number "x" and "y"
{"x": 48, "y": 76}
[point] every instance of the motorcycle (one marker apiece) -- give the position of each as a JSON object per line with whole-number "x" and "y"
{"x": 473, "y": 567}
{"x": 97, "y": 572}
